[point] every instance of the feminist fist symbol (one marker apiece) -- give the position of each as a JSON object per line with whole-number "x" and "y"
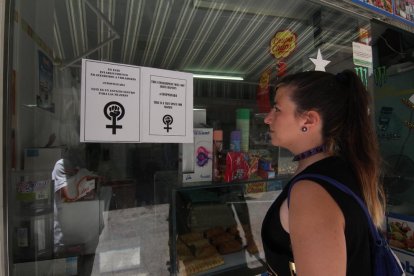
{"x": 114, "y": 111}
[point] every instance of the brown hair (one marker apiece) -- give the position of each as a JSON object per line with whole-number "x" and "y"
{"x": 348, "y": 130}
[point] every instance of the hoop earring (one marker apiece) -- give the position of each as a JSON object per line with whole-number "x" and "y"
{"x": 304, "y": 129}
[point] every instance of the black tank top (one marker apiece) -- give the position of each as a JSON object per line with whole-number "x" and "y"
{"x": 276, "y": 241}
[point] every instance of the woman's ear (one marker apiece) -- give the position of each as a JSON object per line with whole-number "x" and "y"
{"x": 312, "y": 119}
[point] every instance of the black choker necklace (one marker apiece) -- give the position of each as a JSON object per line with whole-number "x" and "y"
{"x": 310, "y": 152}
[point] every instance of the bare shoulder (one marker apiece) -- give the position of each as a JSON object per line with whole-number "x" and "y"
{"x": 309, "y": 198}
{"x": 316, "y": 225}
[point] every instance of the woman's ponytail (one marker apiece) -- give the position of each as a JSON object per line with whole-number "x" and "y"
{"x": 360, "y": 143}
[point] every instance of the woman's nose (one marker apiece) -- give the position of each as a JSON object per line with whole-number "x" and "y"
{"x": 267, "y": 119}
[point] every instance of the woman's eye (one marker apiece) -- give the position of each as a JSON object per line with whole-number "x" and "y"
{"x": 275, "y": 108}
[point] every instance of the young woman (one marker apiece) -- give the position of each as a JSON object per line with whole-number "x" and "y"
{"x": 325, "y": 121}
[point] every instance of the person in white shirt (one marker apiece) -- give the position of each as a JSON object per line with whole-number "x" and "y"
{"x": 62, "y": 171}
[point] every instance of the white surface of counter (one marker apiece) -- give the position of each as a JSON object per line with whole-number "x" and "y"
{"x": 83, "y": 221}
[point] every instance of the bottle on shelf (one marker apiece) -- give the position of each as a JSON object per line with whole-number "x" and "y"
{"x": 243, "y": 124}
{"x": 235, "y": 140}
{"x": 218, "y": 155}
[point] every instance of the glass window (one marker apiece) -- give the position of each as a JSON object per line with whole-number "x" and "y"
{"x": 95, "y": 208}
{"x": 393, "y": 88}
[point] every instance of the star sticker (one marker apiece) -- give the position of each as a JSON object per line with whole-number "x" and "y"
{"x": 319, "y": 62}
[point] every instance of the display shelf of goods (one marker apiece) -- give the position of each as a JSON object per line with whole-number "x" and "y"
{"x": 32, "y": 219}
{"x": 217, "y": 227}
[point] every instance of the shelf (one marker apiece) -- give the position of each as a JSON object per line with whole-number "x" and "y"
{"x": 211, "y": 185}
{"x": 211, "y": 205}
{"x": 241, "y": 259}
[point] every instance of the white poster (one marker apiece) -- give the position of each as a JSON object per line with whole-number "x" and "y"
{"x": 122, "y": 103}
{"x": 110, "y": 102}
{"x": 362, "y": 54}
{"x": 167, "y": 110}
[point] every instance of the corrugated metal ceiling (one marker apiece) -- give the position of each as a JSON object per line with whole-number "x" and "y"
{"x": 209, "y": 36}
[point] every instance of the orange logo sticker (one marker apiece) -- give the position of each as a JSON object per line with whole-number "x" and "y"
{"x": 283, "y": 43}
{"x": 264, "y": 79}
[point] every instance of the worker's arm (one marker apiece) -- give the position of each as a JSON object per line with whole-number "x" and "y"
{"x": 64, "y": 193}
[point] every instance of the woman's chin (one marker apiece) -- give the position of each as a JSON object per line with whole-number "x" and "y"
{"x": 275, "y": 143}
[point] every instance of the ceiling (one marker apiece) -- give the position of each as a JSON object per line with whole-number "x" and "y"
{"x": 229, "y": 37}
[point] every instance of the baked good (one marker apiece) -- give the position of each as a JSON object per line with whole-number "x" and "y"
{"x": 197, "y": 265}
{"x": 191, "y": 236}
{"x": 199, "y": 243}
{"x": 209, "y": 233}
{"x": 230, "y": 246}
{"x": 233, "y": 230}
{"x": 206, "y": 251}
{"x": 224, "y": 237}
{"x": 183, "y": 252}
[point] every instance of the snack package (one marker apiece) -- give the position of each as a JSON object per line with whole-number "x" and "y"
{"x": 266, "y": 164}
{"x": 237, "y": 167}
{"x": 266, "y": 174}
{"x": 253, "y": 163}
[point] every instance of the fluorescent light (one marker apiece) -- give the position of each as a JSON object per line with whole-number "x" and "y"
{"x": 216, "y": 77}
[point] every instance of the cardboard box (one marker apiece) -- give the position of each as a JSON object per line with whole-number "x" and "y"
{"x": 196, "y": 162}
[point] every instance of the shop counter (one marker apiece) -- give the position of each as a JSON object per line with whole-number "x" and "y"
{"x": 215, "y": 228}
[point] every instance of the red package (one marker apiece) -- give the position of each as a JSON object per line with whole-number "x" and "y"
{"x": 237, "y": 167}
{"x": 253, "y": 163}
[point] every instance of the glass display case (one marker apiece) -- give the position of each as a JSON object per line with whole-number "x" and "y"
{"x": 215, "y": 221}
{"x": 216, "y": 227}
